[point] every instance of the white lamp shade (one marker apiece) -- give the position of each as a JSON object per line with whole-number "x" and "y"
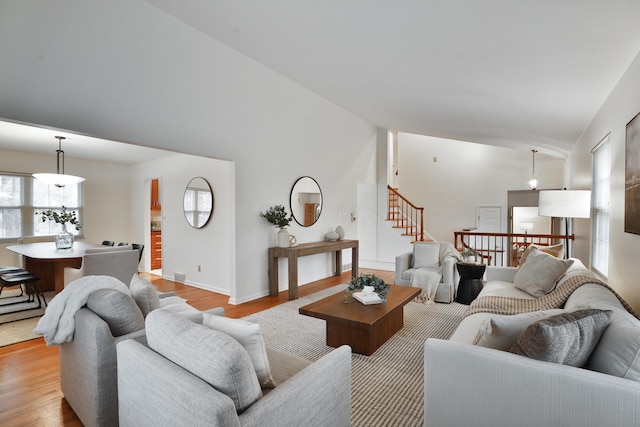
{"x": 526, "y": 226}
{"x": 564, "y": 203}
{"x": 58, "y": 179}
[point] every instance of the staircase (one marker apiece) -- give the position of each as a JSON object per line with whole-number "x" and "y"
{"x": 405, "y": 215}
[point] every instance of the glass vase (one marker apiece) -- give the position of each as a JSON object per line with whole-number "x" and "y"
{"x": 64, "y": 239}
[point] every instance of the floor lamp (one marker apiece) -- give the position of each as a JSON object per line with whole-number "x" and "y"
{"x": 565, "y": 204}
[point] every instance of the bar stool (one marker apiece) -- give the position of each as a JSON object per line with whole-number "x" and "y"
{"x": 28, "y": 282}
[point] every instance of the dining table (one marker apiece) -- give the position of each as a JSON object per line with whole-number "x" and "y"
{"x": 47, "y": 262}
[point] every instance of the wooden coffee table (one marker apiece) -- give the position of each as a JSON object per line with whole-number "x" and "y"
{"x": 364, "y": 327}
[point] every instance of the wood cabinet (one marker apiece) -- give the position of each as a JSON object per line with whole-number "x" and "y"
{"x": 156, "y": 250}
{"x": 155, "y": 195}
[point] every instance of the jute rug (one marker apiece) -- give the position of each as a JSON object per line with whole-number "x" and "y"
{"x": 17, "y": 326}
{"x": 387, "y": 387}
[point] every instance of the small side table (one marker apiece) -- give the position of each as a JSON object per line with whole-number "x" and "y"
{"x": 470, "y": 281}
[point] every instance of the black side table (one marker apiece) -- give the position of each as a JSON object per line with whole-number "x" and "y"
{"x": 470, "y": 281}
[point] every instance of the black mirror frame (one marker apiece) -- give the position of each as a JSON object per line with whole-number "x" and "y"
{"x": 212, "y": 203}
{"x": 291, "y": 201}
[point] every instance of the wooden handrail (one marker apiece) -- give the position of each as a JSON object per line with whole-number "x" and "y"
{"x": 503, "y": 249}
{"x": 405, "y": 214}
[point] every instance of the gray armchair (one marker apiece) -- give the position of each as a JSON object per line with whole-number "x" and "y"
{"x": 155, "y": 390}
{"x": 437, "y": 258}
{"x": 88, "y": 363}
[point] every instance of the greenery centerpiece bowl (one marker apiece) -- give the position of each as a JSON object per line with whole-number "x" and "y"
{"x": 63, "y": 239}
{"x": 379, "y": 286}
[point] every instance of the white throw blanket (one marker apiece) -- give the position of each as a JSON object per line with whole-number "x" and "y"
{"x": 428, "y": 280}
{"x": 58, "y": 323}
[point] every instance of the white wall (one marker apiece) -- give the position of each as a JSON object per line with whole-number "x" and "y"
{"x": 621, "y": 106}
{"x": 107, "y": 204}
{"x": 184, "y": 247}
{"x": 126, "y": 71}
{"x": 464, "y": 176}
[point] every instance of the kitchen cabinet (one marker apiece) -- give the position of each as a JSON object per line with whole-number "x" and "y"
{"x": 155, "y": 195}
{"x": 156, "y": 250}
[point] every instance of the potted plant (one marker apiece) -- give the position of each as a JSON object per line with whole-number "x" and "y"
{"x": 64, "y": 239}
{"x": 277, "y": 216}
{"x": 470, "y": 255}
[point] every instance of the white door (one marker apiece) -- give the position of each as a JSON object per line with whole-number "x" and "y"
{"x": 489, "y": 219}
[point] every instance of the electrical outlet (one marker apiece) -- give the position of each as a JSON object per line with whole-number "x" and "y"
{"x": 199, "y": 269}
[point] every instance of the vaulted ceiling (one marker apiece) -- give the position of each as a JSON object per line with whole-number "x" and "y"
{"x": 530, "y": 73}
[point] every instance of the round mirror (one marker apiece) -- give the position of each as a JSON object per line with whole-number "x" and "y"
{"x": 306, "y": 201}
{"x": 198, "y": 202}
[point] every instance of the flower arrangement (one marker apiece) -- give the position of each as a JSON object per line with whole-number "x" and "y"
{"x": 60, "y": 218}
{"x": 277, "y": 216}
{"x": 363, "y": 280}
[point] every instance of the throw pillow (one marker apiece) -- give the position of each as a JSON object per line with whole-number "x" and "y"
{"x": 500, "y": 332}
{"x": 567, "y": 338}
{"x": 553, "y": 250}
{"x": 618, "y": 351}
{"x": 539, "y": 274}
{"x": 214, "y": 357}
{"x": 249, "y": 335}
{"x": 117, "y": 309}
{"x": 426, "y": 255}
{"x": 144, "y": 294}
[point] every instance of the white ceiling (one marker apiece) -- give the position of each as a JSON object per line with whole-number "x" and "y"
{"x": 42, "y": 140}
{"x": 527, "y": 72}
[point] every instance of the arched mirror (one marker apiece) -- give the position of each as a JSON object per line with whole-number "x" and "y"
{"x": 306, "y": 201}
{"x": 198, "y": 202}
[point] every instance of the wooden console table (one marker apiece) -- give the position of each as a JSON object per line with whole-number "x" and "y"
{"x": 304, "y": 249}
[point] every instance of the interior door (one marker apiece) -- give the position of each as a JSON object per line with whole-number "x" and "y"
{"x": 489, "y": 219}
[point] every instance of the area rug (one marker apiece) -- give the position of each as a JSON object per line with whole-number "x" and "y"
{"x": 17, "y": 326}
{"x": 387, "y": 387}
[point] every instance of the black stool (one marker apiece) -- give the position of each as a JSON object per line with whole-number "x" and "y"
{"x": 470, "y": 281}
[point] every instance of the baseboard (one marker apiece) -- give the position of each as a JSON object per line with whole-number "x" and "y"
{"x": 377, "y": 265}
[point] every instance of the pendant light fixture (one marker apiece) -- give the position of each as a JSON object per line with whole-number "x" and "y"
{"x": 533, "y": 182}
{"x": 58, "y": 179}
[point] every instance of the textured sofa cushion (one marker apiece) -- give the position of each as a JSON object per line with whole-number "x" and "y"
{"x": 618, "y": 351}
{"x": 553, "y": 250}
{"x": 145, "y": 294}
{"x": 117, "y": 309}
{"x": 213, "y": 356}
{"x": 249, "y": 335}
{"x": 501, "y": 332}
{"x": 426, "y": 255}
{"x": 539, "y": 274}
{"x": 567, "y": 338}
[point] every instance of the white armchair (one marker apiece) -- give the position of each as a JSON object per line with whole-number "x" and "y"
{"x": 433, "y": 261}
{"x": 120, "y": 262}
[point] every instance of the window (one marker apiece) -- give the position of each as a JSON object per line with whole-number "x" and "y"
{"x": 198, "y": 205}
{"x": 601, "y": 207}
{"x": 21, "y": 196}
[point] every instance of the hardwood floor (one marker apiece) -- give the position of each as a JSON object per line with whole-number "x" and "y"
{"x": 30, "y": 392}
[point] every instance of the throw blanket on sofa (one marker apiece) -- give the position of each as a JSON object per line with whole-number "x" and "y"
{"x": 554, "y": 299}
{"x": 58, "y": 323}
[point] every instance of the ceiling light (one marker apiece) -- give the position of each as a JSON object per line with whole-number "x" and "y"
{"x": 58, "y": 179}
{"x": 533, "y": 182}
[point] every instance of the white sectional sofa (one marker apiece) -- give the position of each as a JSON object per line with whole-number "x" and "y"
{"x": 467, "y": 384}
